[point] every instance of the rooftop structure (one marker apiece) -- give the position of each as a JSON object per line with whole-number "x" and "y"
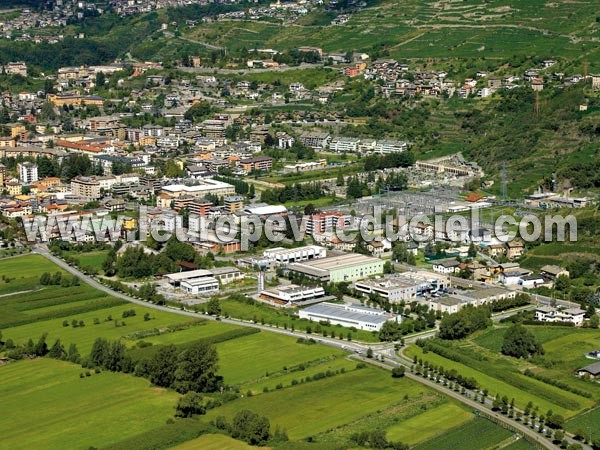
{"x": 348, "y": 267}
{"x": 358, "y": 317}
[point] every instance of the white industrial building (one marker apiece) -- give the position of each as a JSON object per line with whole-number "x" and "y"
{"x": 359, "y": 317}
{"x": 203, "y": 187}
{"x": 406, "y": 286}
{"x": 282, "y": 255}
{"x": 200, "y": 286}
{"x": 292, "y": 294}
{"x": 201, "y": 281}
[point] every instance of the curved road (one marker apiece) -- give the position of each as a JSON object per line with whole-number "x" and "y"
{"x": 358, "y": 348}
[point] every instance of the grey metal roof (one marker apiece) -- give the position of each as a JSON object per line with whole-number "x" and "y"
{"x": 338, "y": 311}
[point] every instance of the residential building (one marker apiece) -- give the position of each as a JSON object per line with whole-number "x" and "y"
{"x": 28, "y": 172}
{"x": 87, "y": 187}
{"x": 258, "y": 163}
{"x": 592, "y": 371}
{"x": 233, "y": 203}
{"x": 388, "y": 146}
{"x": 552, "y": 314}
{"x": 552, "y": 272}
{"x": 344, "y": 144}
{"x": 315, "y": 140}
{"x": 446, "y": 266}
{"x": 319, "y": 223}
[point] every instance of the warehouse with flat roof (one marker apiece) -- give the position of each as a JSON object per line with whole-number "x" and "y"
{"x": 359, "y": 317}
{"x": 334, "y": 269}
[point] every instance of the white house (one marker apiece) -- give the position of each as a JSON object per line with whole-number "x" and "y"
{"x": 551, "y": 314}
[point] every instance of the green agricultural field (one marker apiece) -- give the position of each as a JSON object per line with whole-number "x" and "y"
{"x": 250, "y": 358}
{"x": 521, "y": 444}
{"x": 286, "y": 378}
{"x": 206, "y": 328}
{"x": 565, "y": 350}
{"x": 430, "y": 424}
{"x": 91, "y": 259}
{"x": 49, "y": 302}
{"x": 215, "y": 442}
{"x": 501, "y": 375}
{"x": 47, "y": 405}
{"x": 586, "y": 422}
{"x": 311, "y": 408}
{"x": 84, "y": 336}
{"x": 23, "y": 272}
{"x": 474, "y": 435}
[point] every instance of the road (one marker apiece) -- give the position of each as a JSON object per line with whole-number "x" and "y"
{"x": 344, "y": 345}
{"x": 384, "y": 350}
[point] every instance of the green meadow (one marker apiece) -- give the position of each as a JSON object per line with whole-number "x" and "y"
{"x": 429, "y": 424}
{"x": 311, "y": 408}
{"x": 476, "y": 434}
{"x": 47, "y": 405}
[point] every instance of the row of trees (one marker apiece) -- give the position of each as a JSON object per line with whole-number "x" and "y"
{"x": 241, "y": 187}
{"x": 39, "y": 349}
{"x": 306, "y": 191}
{"x": 57, "y": 279}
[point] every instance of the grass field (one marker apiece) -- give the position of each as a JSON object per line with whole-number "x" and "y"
{"x": 429, "y": 424}
{"x": 250, "y": 358}
{"x": 521, "y": 444}
{"x": 564, "y": 348}
{"x": 90, "y": 259}
{"x": 501, "y": 375}
{"x": 586, "y": 422}
{"x": 84, "y": 336}
{"x": 215, "y": 442}
{"x": 473, "y": 435}
{"x": 206, "y": 329}
{"x": 311, "y": 408}
{"x": 51, "y": 407}
{"x": 23, "y": 272}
